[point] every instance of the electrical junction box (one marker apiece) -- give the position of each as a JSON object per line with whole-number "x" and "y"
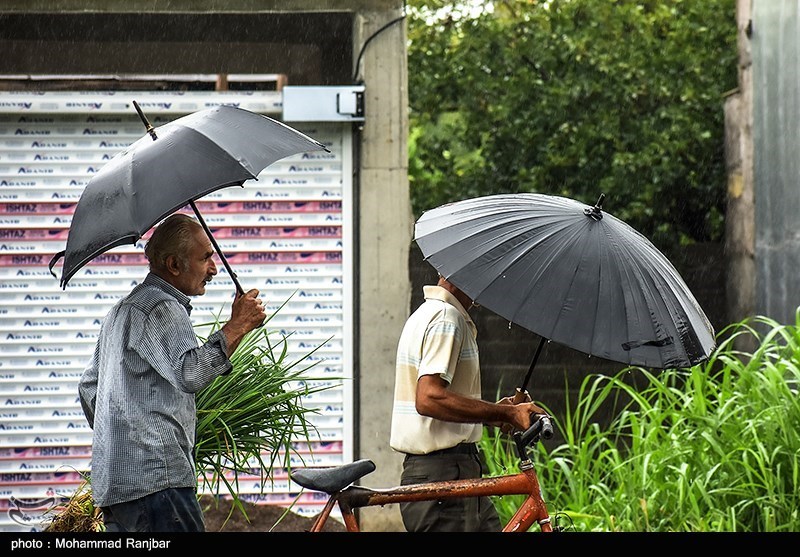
{"x": 337, "y": 103}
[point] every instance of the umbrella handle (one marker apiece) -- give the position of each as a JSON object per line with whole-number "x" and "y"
{"x": 239, "y": 288}
{"x": 520, "y": 395}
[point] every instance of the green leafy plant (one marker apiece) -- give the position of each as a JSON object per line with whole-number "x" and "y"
{"x": 711, "y": 448}
{"x": 254, "y": 411}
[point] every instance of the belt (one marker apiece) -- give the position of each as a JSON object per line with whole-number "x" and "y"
{"x": 461, "y": 448}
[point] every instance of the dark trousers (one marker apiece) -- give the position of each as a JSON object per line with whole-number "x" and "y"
{"x": 170, "y": 510}
{"x": 463, "y": 514}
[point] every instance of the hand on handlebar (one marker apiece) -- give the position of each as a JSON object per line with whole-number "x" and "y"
{"x": 521, "y": 420}
{"x": 522, "y": 417}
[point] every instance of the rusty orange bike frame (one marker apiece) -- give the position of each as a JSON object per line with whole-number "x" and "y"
{"x": 338, "y": 481}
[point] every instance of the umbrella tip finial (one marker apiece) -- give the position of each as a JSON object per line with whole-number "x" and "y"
{"x": 596, "y": 212}
{"x": 148, "y": 126}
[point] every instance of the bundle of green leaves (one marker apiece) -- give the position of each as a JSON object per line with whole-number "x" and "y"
{"x": 251, "y": 418}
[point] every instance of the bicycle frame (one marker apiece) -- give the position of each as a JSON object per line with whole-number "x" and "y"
{"x": 338, "y": 481}
{"x": 532, "y": 510}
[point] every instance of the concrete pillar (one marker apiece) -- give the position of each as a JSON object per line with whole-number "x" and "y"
{"x": 385, "y": 231}
{"x": 740, "y": 213}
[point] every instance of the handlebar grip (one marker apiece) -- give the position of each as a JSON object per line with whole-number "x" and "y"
{"x": 547, "y": 427}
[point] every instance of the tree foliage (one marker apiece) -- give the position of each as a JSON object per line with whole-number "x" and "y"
{"x": 575, "y": 98}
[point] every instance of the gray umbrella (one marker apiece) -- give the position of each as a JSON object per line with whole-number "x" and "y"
{"x": 169, "y": 168}
{"x": 570, "y": 273}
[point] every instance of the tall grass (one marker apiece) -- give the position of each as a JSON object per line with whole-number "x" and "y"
{"x": 711, "y": 448}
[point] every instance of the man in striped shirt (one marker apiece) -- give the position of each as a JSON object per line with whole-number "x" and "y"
{"x": 438, "y": 414}
{"x": 138, "y": 390}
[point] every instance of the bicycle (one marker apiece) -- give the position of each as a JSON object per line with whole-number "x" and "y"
{"x": 337, "y": 482}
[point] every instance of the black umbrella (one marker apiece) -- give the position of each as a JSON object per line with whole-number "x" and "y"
{"x": 169, "y": 168}
{"x": 570, "y": 273}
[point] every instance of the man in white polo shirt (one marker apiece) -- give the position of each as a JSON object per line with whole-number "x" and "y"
{"x": 438, "y": 413}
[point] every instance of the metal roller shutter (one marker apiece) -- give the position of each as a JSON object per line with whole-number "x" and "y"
{"x": 288, "y": 234}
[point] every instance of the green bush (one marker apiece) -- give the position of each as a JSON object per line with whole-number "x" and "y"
{"x": 576, "y": 98}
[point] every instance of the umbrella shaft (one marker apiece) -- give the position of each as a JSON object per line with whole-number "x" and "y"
{"x": 533, "y": 365}
{"x": 239, "y": 288}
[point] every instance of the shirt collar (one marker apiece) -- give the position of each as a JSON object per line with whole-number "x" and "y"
{"x": 153, "y": 279}
{"x": 434, "y": 292}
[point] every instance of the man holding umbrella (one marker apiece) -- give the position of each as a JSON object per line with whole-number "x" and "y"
{"x": 438, "y": 414}
{"x": 138, "y": 390}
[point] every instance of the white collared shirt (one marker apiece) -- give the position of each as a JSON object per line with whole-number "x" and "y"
{"x": 439, "y": 338}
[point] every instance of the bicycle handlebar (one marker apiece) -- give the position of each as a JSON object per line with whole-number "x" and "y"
{"x": 542, "y": 427}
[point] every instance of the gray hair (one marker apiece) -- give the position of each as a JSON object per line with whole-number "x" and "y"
{"x": 174, "y": 236}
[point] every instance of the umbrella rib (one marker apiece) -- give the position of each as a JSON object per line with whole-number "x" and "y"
{"x": 660, "y": 267}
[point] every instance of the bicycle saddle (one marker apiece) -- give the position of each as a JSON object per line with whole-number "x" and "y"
{"x": 332, "y": 480}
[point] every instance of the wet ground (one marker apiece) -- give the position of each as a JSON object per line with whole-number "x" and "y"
{"x": 260, "y": 518}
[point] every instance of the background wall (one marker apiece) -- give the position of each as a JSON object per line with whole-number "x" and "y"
{"x": 775, "y": 41}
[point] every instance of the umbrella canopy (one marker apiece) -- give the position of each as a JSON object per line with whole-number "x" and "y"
{"x": 171, "y": 167}
{"x": 570, "y": 273}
